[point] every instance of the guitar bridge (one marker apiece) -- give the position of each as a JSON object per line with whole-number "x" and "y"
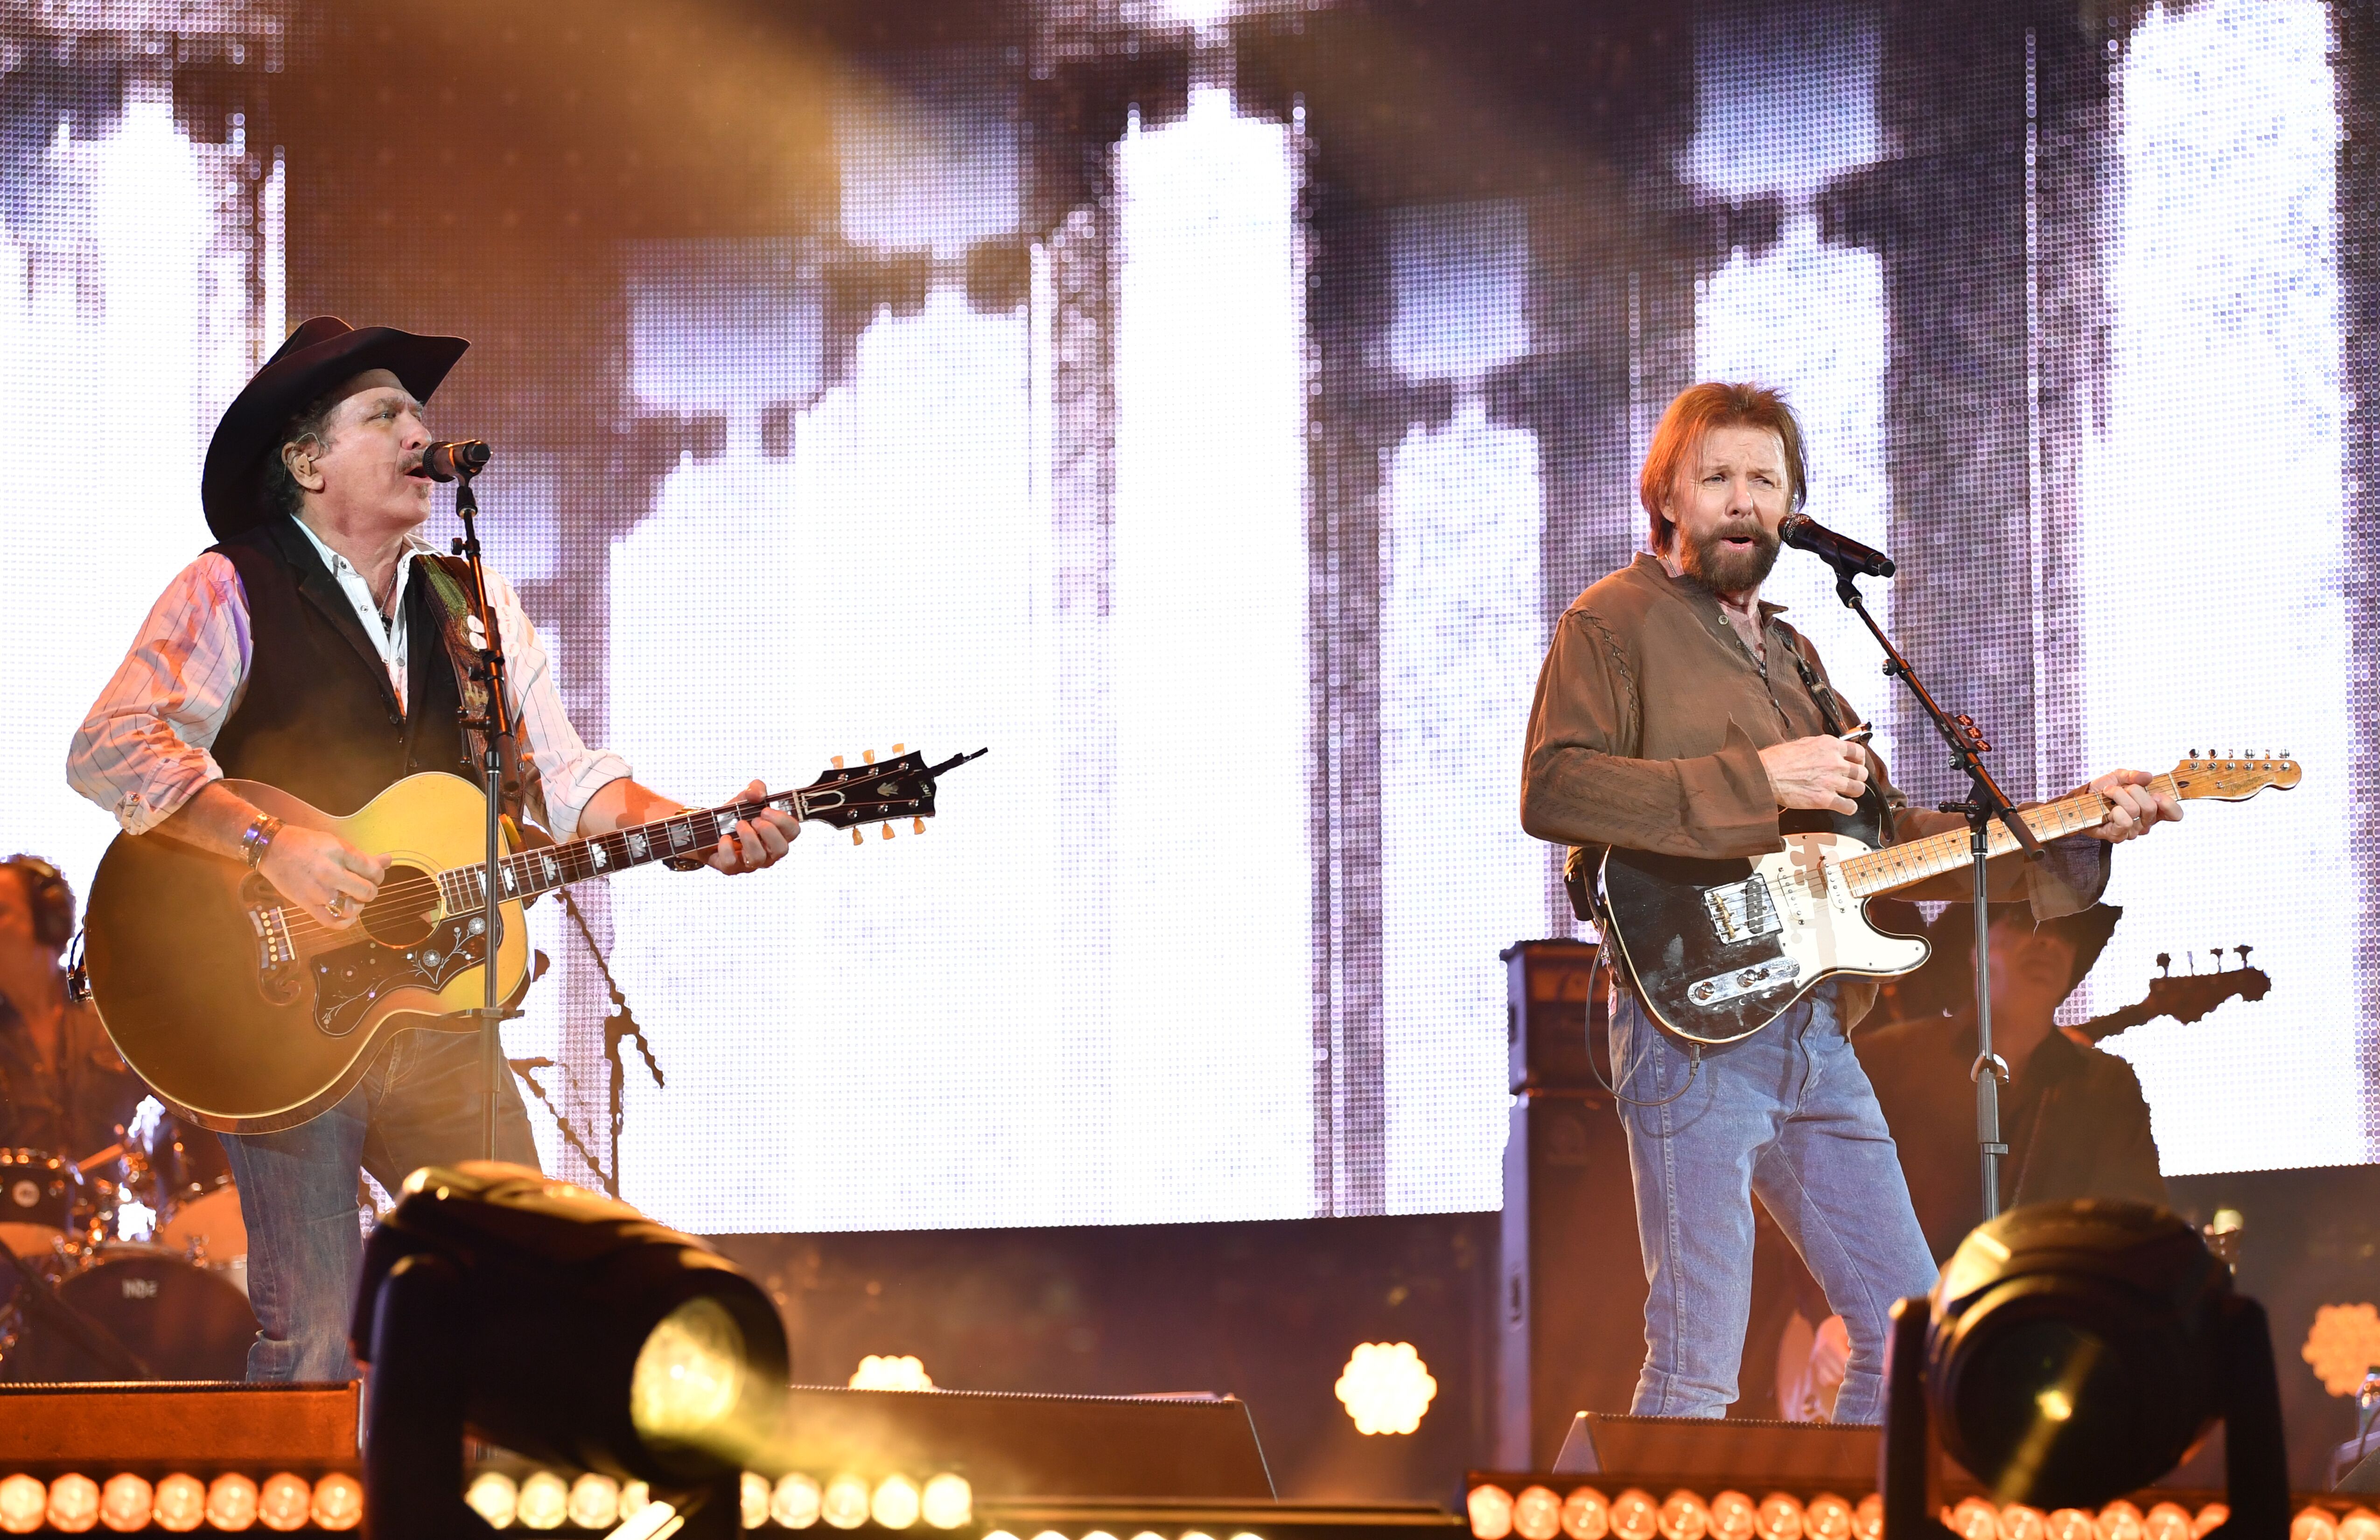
{"x": 1759, "y": 978}
{"x": 1742, "y": 910}
{"x": 274, "y": 946}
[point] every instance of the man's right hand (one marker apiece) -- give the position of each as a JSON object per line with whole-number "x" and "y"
{"x": 1821, "y": 774}
{"x": 316, "y": 869}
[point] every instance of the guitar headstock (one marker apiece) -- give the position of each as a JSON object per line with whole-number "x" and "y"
{"x": 2234, "y": 776}
{"x": 2189, "y": 996}
{"x": 876, "y": 791}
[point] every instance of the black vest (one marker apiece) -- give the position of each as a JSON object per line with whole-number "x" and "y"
{"x": 316, "y": 717}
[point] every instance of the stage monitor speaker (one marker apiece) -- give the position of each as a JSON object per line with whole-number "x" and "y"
{"x": 1192, "y": 1447}
{"x": 1704, "y": 1452}
{"x": 1570, "y": 1314}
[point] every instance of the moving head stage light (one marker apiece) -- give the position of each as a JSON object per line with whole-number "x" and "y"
{"x": 2073, "y": 1352}
{"x": 565, "y": 1327}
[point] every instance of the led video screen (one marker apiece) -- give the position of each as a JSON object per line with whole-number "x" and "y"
{"x": 1210, "y": 409}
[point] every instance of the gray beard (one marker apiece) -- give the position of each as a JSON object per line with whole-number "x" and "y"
{"x": 1722, "y": 568}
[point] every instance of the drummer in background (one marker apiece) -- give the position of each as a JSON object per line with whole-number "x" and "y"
{"x": 63, "y": 1090}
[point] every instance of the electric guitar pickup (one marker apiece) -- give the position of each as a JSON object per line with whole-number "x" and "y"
{"x": 243, "y": 1012}
{"x": 1718, "y": 950}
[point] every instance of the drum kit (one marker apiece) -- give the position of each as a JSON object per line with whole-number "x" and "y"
{"x": 131, "y": 1264}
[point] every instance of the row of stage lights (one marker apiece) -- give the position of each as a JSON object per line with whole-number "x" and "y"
{"x": 544, "y": 1500}
{"x": 1540, "y": 1513}
{"x": 72, "y": 1504}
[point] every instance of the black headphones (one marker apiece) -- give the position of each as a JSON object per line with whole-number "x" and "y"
{"x": 53, "y": 902}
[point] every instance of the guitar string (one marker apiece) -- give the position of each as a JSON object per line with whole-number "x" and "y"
{"x": 1940, "y": 853}
{"x": 402, "y": 896}
{"x": 302, "y": 927}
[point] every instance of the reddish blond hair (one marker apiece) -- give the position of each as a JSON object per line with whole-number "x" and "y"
{"x": 1697, "y": 411}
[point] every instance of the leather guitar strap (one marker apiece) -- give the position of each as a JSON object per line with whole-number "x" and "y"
{"x": 1830, "y": 709}
{"x": 524, "y": 799}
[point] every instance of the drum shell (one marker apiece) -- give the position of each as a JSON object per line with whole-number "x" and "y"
{"x": 185, "y": 1322}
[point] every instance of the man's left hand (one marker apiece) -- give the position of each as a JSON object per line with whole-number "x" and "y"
{"x": 2132, "y": 809}
{"x": 753, "y": 843}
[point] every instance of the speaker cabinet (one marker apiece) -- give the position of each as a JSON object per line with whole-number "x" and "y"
{"x": 1571, "y": 1316}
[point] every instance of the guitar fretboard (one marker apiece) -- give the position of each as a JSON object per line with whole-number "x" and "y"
{"x": 1899, "y": 865}
{"x": 538, "y": 871}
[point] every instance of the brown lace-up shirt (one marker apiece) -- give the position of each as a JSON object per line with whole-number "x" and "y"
{"x": 1646, "y": 733}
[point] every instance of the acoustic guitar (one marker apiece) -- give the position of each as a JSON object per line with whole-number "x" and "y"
{"x": 247, "y": 1015}
{"x": 1718, "y": 950}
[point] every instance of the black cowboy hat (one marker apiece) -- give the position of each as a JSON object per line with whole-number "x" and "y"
{"x": 1945, "y": 985}
{"x": 318, "y": 355}
{"x": 2085, "y": 932}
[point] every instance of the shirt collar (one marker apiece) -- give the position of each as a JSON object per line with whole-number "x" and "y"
{"x": 1694, "y": 592}
{"x": 414, "y": 546}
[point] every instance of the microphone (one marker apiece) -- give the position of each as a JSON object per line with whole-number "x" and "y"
{"x": 444, "y": 462}
{"x": 1848, "y": 557}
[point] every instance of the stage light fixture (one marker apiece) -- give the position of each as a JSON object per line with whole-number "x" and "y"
{"x": 1778, "y": 1517}
{"x": 564, "y": 1327}
{"x": 126, "y": 1503}
{"x": 495, "y": 1497}
{"x": 231, "y": 1501}
{"x": 1536, "y": 1513}
{"x": 795, "y": 1503}
{"x": 74, "y": 1504}
{"x": 891, "y": 1372}
{"x": 179, "y": 1505}
{"x": 1386, "y": 1387}
{"x": 755, "y": 1491}
{"x": 895, "y": 1503}
{"x": 2071, "y": 1352}
{"x": 948, "y": 1501}
{"x": 844, "y": 1502}
{"x": 594, "y": 1501}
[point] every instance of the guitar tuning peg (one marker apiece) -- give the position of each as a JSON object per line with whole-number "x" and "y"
{"x": 2165, "y": 961}
{"x": 837, "y": 761}
{"x": 888, "y": 831}
{"x": 2243, "y": 954}
{"x": 858, "y": 838}
{"x": 869, "y": 755}
{"x": 900, "y": 748}
{"x": 916, "y": 826}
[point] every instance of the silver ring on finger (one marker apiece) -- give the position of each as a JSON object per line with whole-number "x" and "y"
{"x": 337, "y": 906}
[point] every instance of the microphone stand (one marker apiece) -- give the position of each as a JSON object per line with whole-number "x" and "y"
{"x": 1984, "y": 802}
{"x": 496, "y": 729}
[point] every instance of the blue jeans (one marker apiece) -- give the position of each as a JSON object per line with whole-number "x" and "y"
{"x": 1788, "y": 1114}
{"x": 417, "y": 1105}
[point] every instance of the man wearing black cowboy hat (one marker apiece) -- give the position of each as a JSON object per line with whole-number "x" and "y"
{"x": 315, "y": 649}
{"x": 2076, "y": 1123}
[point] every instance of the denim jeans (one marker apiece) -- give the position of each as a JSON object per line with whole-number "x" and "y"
{"x": 417, "y": 1105}
{"x": 1786, "y": 1114}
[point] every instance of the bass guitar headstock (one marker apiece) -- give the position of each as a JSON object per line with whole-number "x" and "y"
{"x": 2234, "y": 776}
{"x": 874, "y": 792}
{"x": 2186, "y": 997}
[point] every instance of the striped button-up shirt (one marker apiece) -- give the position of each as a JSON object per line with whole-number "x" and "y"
{"x": 144, "y": 749}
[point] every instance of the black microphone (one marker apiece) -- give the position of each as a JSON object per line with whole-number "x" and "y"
{"x": 1804, "y": 533}
{"x": 444, "y": 462}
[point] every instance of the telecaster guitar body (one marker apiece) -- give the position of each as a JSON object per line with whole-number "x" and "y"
{"x": 217, "y": 999}
{"x": 1718, "y": 950}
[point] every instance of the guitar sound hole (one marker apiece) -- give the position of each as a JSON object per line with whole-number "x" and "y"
{"x": 402, "y": 913}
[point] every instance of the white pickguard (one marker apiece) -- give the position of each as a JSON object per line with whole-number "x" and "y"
{"x": 1824, "y": 929}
